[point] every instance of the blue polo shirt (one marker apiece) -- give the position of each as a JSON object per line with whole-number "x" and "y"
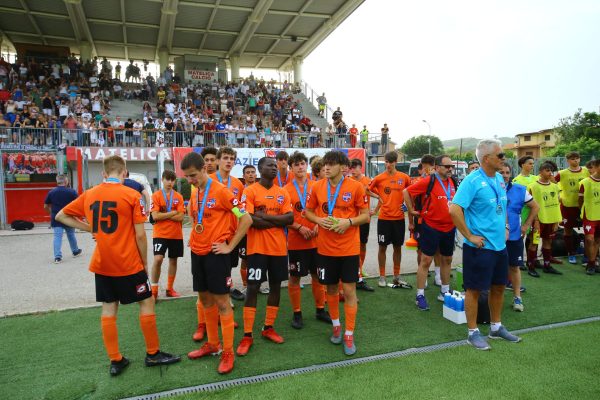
{"x": 479, "y": 200}
{"x": 58, "y": 198}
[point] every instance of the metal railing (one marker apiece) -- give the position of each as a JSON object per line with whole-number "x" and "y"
{"x": 312, "y": 95}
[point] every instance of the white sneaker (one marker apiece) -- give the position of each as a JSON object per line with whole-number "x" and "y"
{"x": 438, "y": 280}
{"x": 382, "y": 282}
{"x": 264, "y": 290}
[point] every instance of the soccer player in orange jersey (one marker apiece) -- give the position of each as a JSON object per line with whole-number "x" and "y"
{"x": 212, "y": 243}
{"x": 283, "y": 174}
{"x": 271, "y": 211}
{"x": 339, "y": 206}
{"x": 209, "y": 154}
{"x": 389, "y": 185}
{"x": 115, "y": 216}
{"x": 302, "y": 243}
{"x": 167, "y": 234}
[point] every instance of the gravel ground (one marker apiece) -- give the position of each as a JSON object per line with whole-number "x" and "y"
{"x": 31, "y": 282}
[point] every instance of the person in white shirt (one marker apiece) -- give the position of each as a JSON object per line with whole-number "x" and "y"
{"x": 137, "y": 133}
{"x": 118, "y": 127}
{"x": 251, "y": 134}
{"x": 170, "y": 109}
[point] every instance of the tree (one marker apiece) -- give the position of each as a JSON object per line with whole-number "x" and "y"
{"x": 418, "y": 145}
{"x": 584, "y": 146}
{"x": 580, "y": 132}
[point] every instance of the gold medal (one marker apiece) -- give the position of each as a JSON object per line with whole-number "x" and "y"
{"x": 199, "y": 228}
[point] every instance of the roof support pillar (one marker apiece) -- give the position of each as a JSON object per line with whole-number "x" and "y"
{"x": 85, "y": 51}
{"x": 297, "y": 65}
{"x": 163, "y": 59}
{"x": 222, "y": 66}
{"x": 235, "y": 67}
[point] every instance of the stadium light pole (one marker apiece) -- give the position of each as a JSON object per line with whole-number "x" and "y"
{"x": 429, "y": 138}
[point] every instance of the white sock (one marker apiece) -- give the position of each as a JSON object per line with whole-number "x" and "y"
{"x": 420, "y": 292}
{"x": 349, "y": 333}
{"x": 494, "y": 326}
{"x": 437, "y": 271}
{"x": 472, "y": 331}
{"x": 335, "y": 322}
{"x": 360, "y": 280}
{"x": 445, "y": 288}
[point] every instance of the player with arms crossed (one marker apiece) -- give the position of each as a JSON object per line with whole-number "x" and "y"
{"x": 116, "y": 219}
{"x": 339, "y": 206}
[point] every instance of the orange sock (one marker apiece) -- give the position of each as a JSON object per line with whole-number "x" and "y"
{"x": 333, "y": 303}
{"x": 271, "y": 315}
{"x": 148, "y": 325}
{"x": 212, "y": 324}
{"x": 396, "y": 270}
{"x": 295, "y": 296}
{"x": 227, "y": 331}
{"x": 350, "y": 314}
{"x": 382, "y": 271}
{"x": 249, "y": 315}
{"x": 200, "y": 311}
{"x": 154, "y": 288}
{"x": 110, "y": 336}
{"x": 244, "y": 275}
{"x": 318, "y": 293}
{"x": 170, "y": 281}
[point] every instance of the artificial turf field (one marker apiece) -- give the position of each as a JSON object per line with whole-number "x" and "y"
{"x": 59, "y": 355}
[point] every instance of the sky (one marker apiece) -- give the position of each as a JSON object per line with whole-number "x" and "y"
{"x": 471, "y": 68}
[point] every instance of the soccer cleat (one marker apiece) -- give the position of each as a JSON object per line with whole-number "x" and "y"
{"x": 77, "y": 253}
{"x": 440, "y": 297}
{"x": 533, "y": 272}
{"x": 517, "y": 304}
{"x": 555, "y": 261}
{"x": 264, "y": 290}
{"x": 172, "y": 293}
{"x": 572, "y": 259}
{"x": 477, "y": 340}
{"x": 57, "y": 260}
{"x": 503, "y": 333}
{"x": 237, "y": 295}
{"x": 362, "y": 285}
{"x": 551, "y": 270}
{"x": 382, "y": 282}
{"x": 421, "y": 303}
{"x": 160, "y": 358}
{"x": 398, "y": 284}
{"x": 271, "y": 335}
{"x": 207, "y": 349}
{"x": 336, "y": 336}
{"x": 200, "y": 332}
{"x": 297, "y": 322}
{"x": 349, "y": 346}
{"x": 590, "y": 271}
{"x": 226, "y": 363}
{"x": 323, "y": 315}
{"x": 116, "y": 367}
{"x": 244, "y": 346}
{"x": 522, "y": 267}
{"x": 509, "y": 286}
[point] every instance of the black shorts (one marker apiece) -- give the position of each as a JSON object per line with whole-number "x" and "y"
{"x": 331, "y": 270}
{"x": 431, "y": 240}
{"x": 124, "y": 289}
{"x": 483, "y": 267}
{"x": 364, "y": 233}
{"x": 175, "y": 247}
{"x": 211, "y": 273}
{"x": 262, "y": 267}
{"x": 302, "y": 262}
{"x": 233, "y": 259}
{"x": 390, "y": 232}
{"x": 242, "y": 247}
{"x": 514, "y": 249}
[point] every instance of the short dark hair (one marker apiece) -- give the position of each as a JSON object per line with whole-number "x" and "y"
{"x": 262, "y": 161}
{"x": 593, "y": 163}
{"x": 356, "y": 162}
{"x": 297, "y": 157}
{"x": 572, "y": 154}
{"x": 548, "y": 165}
{"x": 420, "y": 166}
{"x": 589, "y": 164}
{"x": 428, "y": 159}
{"x": 438, "y": 159}
{"x": 335, "y": 157}
{"x": 208, "y": 150}
{"x": 282, "y": 155}
{"x": 312, "y": 158}
{"x": 472, "y": 162}
{"x": 505, "y": 164}
{"x": 523, "y": 160}
{"x": 192, "y": 159}
{"x": 316, "y": 166}
{"x": 169, "y": 175}
{"x": 247, "y": 167}
{"x": 391, "y": 157}
{"x": 226, "y": 150}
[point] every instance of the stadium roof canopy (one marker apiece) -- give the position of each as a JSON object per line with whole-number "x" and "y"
{"x": 263, "y": 33}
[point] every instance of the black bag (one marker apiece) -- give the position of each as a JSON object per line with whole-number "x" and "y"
{"x": 483, "y": 309}
{"x": 20, "y": 225}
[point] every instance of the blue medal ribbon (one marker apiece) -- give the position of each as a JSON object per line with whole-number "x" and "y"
{"x": 113, "y": 180}
{"x": 201, "y": 206}
{"x": 496, "y": 191}
{"x": 446, "y": 189}
{"x": 301, "y": 196}
{"x": 279, "y": 179}
{"x": 168, "y": 202}
{"x": 221, "y": 180}
{"x": 330, "y": 202}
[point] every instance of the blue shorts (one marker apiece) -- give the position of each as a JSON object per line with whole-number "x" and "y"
{"x": 431, "y": 239}
{"x": 483, "y": 268}
{"x": 515, "y": 253}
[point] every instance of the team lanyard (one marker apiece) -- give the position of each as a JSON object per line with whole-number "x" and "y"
{"x": 496, "y": 191}
{"x": 330, "y": 202}
{"x": 446, "y": 189}
{"x": 301, "y": 196}
{"x": 169, "y": 203}
{"x": 199, "y": 228}
{"x": 221, "y": 180}
{"x": 279, "y": 179}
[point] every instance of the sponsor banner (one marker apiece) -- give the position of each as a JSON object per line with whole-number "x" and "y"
{"x": 250, "y": 156}
{"x": 128, "y": 153}
{"x": 197, "y": 75}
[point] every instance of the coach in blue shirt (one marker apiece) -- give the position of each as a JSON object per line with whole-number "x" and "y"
{"x": 56, "y": 200}
{"x": 479, "y": 212}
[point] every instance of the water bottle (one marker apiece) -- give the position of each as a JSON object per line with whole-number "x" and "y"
{"x": 447, "y": 297}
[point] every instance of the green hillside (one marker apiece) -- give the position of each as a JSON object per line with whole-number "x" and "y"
{"x": 469, "y": 144}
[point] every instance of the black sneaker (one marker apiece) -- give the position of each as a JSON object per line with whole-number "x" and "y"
{"x": 552, "y": 270}
{"x": 522, "y": 268}
{"x": 116, "y": 367}
{"x": 161, "y": 358}
{"x": 323, "y": 315}
{"x": 57, "y": 260}
{"x": 362, "y": 285}
{"x": 77, "y": 253}
{"x": 534, "y": 273}
{"x": 297, "y": 322}
{"x": 590, "y": 271}
{"x": 237, "y": 295}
